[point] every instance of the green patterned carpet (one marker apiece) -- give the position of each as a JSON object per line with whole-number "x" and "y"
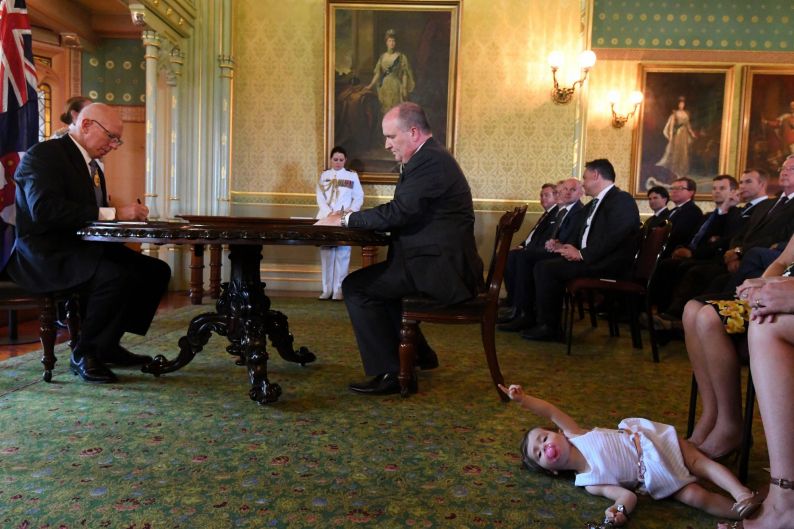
{"x": 191, "y": 450}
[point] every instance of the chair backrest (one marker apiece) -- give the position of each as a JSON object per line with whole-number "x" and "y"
{"x": 652, "y": 244}
{"x": 508, "y": 225}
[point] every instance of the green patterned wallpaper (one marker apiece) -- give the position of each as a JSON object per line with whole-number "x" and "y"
{"x": 759, "y": 25}
{"x": 116, "y": 72}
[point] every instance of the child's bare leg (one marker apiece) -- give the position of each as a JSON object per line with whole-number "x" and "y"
{"x": 714, "y": 504}
{"x": 702, "y": 467}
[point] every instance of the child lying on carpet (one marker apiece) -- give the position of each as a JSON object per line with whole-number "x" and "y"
{"x": 643, "y": 456}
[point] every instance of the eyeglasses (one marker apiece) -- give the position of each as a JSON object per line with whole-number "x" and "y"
{"x": 115, "y": 141}
{"x": 678, "y": 188}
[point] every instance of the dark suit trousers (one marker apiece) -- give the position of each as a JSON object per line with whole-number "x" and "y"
{"x": 754, "y": 262}
{"x": 524, "y": 290}
{"x": 551, "y": 275}
{"x": 122, "y": 296}
{"x": 696, "y": 277}
{"x": 373, "y": 297}
{"x": 510, "y": 274}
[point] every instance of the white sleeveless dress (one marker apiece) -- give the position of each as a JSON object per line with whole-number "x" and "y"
{"x": 613, "y": 458}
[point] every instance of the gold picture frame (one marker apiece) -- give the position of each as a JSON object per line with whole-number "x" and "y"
{"x": 683, "y": 127}
{"x": 364, "y": 76}
{"x": 767, "y": 120}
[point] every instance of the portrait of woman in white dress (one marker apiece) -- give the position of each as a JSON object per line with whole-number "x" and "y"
{"x": 679, "y": 134}
{"x": 393, "y": 79}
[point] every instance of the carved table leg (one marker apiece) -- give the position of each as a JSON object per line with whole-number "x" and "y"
{"x": 197, "y": 274}
{"x": 244, "y": 317}
{"x": 282, "y": 339}
{"x": 198, "y": 334}
{"x": 245, "y": 304}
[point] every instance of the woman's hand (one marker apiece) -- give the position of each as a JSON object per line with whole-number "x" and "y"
{"x": 748, "y": 288}
{"x": 515, "y": 392}
{"x": 775, "y": 297}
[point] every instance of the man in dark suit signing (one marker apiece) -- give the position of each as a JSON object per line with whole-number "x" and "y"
{"x": 60, "y": 188}
{"x": 432, "y": 250}
{"x": 604, "y": 247}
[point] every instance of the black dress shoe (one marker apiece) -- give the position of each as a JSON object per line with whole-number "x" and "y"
{"x": 541, "y": 333}
{"x": 385, "y": 384}
{"x": 518, "y": 323}
{"x": 122, "y": 357}
{"x": 426, "y": 359}
{"x": 91, "y": 370}
{"x": 507, "y": 315}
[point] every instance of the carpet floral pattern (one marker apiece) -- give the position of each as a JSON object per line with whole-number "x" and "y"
{"x": 190, "y": 450}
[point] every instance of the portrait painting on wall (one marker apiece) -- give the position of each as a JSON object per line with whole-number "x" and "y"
{"x": 380, "y": 54}
{"x": 767, "y": 126}
{"x": 683, "y": 126}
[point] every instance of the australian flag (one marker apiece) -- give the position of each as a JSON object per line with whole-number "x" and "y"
{"x": 19, "y": 115}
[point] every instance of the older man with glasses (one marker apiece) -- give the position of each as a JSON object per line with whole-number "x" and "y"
{"x": 60, "y": 188}
{"x": 686, "y": 216}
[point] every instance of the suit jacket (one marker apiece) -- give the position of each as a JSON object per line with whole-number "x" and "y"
{"x": 686, "y": 220}
{"x": 765, "y": 228}
{"x": 720, "y": 232}
{"x": 654, "y": 221}
{"x": 431, "y": 220}
{"x": 54, "y": 197}
{"x": 613, "y": 236}
{"x": 570, "y": 224}
{"x": 543, "y": 229}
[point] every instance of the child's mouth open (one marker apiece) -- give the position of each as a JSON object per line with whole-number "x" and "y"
{"x": 550, "y": 451}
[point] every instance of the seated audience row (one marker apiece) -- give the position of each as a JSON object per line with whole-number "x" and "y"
{"x": 596, "y": 240}
{"x": 733, "y": 249}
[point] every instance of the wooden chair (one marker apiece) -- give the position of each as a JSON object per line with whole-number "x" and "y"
{"x": 652, "y": 244}
{"x": 482, "y": 309}
{"x": 749, "y": 410}
{"x": 14, "y": 297}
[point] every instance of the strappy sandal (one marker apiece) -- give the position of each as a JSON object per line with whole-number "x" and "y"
{"x": 747, "y": 506}
{"x": 782, "y": 483}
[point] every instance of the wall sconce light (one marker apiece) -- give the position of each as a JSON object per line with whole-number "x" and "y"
{"x": 635, "y": 98}
{"x": 562, "y": 96}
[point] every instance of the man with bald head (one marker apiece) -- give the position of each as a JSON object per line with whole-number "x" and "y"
{"x": 60, "y": 188}
{"x": 432, "y": 249}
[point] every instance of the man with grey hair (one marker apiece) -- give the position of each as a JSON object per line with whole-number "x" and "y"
{"x": 60, "y": 188}
{"x": 432, "y": 250}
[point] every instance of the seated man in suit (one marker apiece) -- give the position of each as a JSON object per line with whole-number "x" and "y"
{"x": 432, "y": 250}
{"x": 769, "y": 221}
{"x": 537, "y": 237}
{"x": 604, "y": 246}
{"x": 60, "y": 188}
{"x": 710, "y": 240}
{"x": 686, "y": 216}
{"x": 658, "y": 197}
{"x": 561, "y": 229}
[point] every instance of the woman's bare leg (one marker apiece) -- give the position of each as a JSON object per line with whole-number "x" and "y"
{"x": 772, "y": 364}
{"x": 694, "y": 347}
{"x": 722, "y": 376}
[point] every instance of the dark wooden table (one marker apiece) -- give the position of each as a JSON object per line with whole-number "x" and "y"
{"x": 242, "y": 312}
